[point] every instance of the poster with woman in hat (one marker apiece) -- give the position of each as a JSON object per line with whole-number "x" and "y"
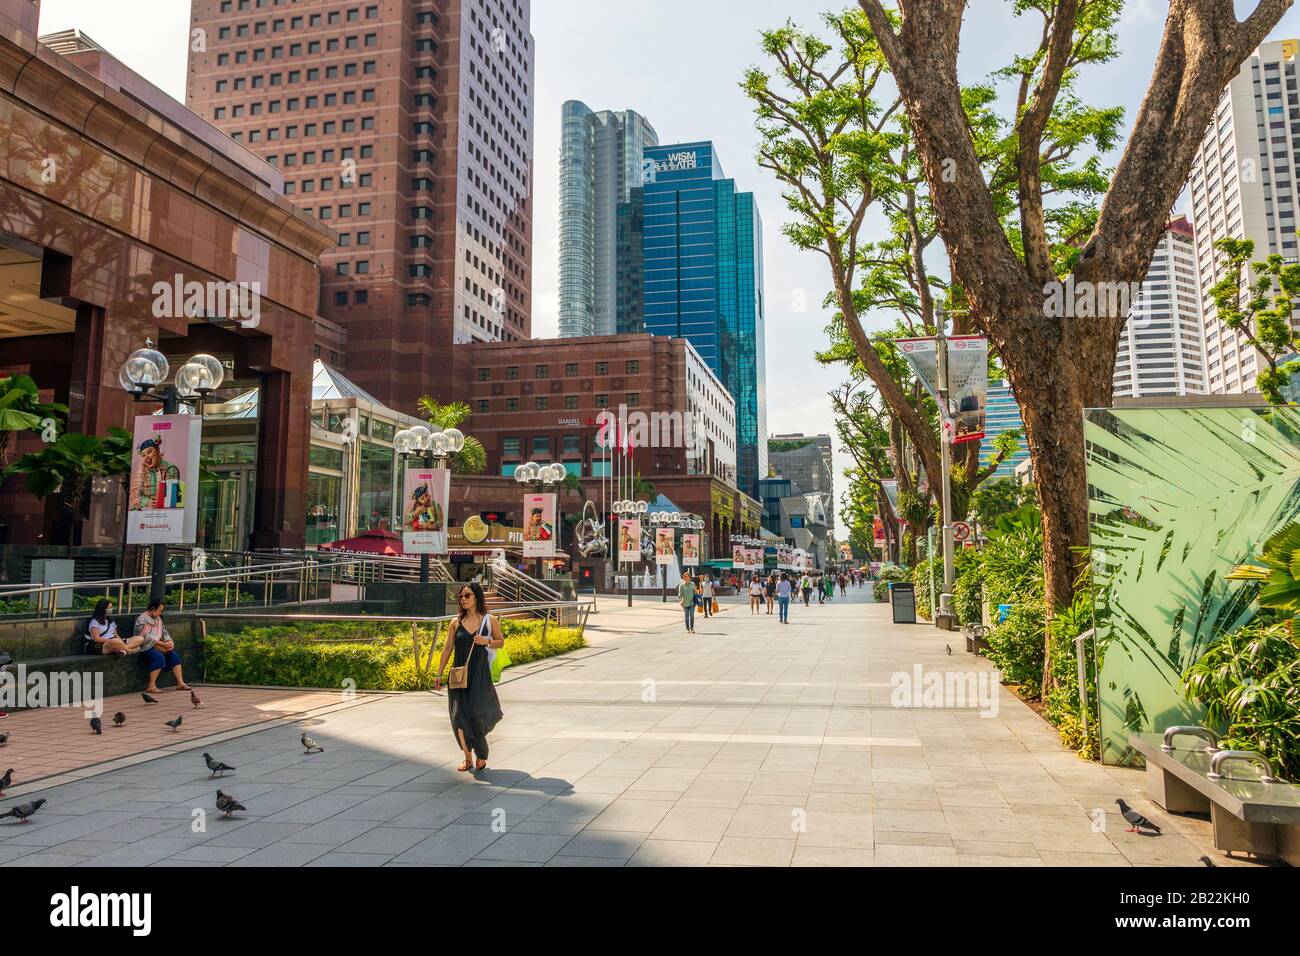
{"x": 163, "y": 463}
{"x": 424, "y": 510}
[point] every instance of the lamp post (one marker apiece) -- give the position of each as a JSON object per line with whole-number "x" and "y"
{"x": 144, "y": 376}
{"x": 541, "y": 477}
{"x": 629, "y": 509}
{"x": 430, "y": 448}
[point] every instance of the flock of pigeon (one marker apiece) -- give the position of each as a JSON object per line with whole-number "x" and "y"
{"x": 226, "y": 803}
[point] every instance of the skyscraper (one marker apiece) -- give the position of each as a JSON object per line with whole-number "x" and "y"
{"x": 1160, "y": 349}
{"x": 600, "y": 164}
{"x": 1003, "y": 415}
{"x": 1241, "y": 185}
{"x": 407, "y": 126}
{"x": 703, "y": 260}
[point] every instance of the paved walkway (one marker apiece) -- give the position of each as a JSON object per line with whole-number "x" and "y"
{"x": 748, "y": 743}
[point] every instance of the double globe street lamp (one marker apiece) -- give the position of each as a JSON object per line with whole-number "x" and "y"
{"x": 144, "y": 376}
{"x": 430, "y": 448}
{"x": 678, "y": 522}
{"x": 541, "y": 477}
{"x": 628, "y": 509}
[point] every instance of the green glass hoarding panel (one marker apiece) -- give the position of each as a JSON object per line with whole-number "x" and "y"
{"x": 1177, "y": 498}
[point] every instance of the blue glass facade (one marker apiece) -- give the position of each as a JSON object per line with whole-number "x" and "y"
{"x": 703, "y": 281}
{"x": 1003, "y": 415}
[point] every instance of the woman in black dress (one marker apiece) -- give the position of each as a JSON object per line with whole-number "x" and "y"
{"x": 474, "y": 708}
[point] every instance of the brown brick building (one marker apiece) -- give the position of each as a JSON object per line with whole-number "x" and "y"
{"x": 541, "y": 400}
{"x": 405, "y": 125}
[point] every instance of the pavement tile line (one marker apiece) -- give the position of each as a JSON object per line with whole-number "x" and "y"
{"x": 778, "y": 747}
{"x": 195, "y": 743}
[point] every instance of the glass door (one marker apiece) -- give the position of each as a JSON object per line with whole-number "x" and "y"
{"x": 221, "y": 512}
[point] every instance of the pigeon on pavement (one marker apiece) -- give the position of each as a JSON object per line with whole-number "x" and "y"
{"x": 7, "y": 779}
{"x": 1135, "y": 818}
{"x": 148, "y": 699}
{"x": 175, "y": 724}
{"x": 4, "y": 739}
{"x": 194, "y": 699}
{"x": 23, "y": 810}
{"x": 96, "y": 725}
{"x": 227, "y": 804}
{"x": 949, "y": 648}
{"x": 311, "y": 744}
{"x": 216, "y": 766}
{"x": 1208, "y": 862}
{"x": 119, "y": 719}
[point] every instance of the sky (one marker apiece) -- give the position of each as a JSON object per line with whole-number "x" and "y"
{"x": 679, "y": 63}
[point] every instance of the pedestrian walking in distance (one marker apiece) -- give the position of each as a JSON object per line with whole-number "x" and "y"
{"x": 471, "y": 697}
{"x": 769, "y": 590}
{"x": 686, "y": 594}
{"x": 755, "y": 594}
{"x": 783, "y": 590}
{"x": 706, "y": 593}
{"x": 805, "y": 585}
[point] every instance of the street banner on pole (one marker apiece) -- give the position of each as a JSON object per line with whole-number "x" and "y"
{"x": 923, "y": 357}
{"x": 738, "y": 557}
{"x": 690, "y": 550}
{"x": 629, "y": 540}
{"x": 968, "y": 385}
{"x": 665, "y": 546}
{"x": 539, "y": 526}
{"x": 163, "y": 499}
{"x": 424, "y": 509}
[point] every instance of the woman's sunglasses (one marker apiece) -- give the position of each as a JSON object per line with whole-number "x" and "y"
{"x": 467, "y": 594}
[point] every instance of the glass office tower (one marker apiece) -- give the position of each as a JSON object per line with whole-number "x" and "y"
{"x": 703, "y": 281}
{"x": 600, "y": 164}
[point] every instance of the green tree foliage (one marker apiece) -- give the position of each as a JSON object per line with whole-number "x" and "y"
{"x": 22, "y": 410}
{"x": 1264, "y": 317}
{"x": 472, "y": 459}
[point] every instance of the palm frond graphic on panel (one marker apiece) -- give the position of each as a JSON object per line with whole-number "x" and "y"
{"x": 1178, "y": 498}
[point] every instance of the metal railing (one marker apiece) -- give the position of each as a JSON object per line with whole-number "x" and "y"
{"x": 514, "y": 585}
{"x": 258, "y": 583}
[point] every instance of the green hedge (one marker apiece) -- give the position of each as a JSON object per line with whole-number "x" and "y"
{"x": 880, "y": 590}
{"x": 374, "y": 656}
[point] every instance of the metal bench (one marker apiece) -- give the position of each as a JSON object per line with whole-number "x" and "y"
{"x": 1254, "y": 814}
{"x": 976, "y": 638}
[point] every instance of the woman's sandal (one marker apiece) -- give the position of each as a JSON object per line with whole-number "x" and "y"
{"x": 464, "y": 768}
{"x": 480, "y": 765}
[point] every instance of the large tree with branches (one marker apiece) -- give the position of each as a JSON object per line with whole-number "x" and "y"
{"x": 1058, "y": 364}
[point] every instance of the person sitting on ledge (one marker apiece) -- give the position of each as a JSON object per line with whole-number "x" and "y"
{"x": 104, "y": 638}
{"x": 158, "y": 649}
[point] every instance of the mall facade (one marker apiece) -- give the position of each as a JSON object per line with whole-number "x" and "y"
{"x": 109, "y": 191}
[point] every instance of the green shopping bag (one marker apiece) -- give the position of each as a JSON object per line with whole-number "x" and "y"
{"x": 500, "y": 661}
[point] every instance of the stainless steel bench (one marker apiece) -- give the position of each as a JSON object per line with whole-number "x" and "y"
{"x": 1188, "y": 773}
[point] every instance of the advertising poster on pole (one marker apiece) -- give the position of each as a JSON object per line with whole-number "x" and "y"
{"x": 738, "y": 557}
{"x": 690, "y": 550}
{"x": 163, "y": 497}
{"x": 665, "y": 546}
{"x": 629, "y": 540}
{"x": 756, "y": 559}
{"x": 968, "y": 385}
{"x": 539, "y": 526}
{"x": 922, "y": 355}
{"x": 424, "y": 509}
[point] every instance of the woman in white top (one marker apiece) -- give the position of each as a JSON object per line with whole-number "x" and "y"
{"x": 755, "y": 594}
{"x": 103, "y": 632}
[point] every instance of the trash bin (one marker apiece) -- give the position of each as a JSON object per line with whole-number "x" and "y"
{"x": 902, "y": 601}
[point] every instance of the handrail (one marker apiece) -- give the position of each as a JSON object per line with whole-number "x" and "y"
{"x": 1190, "y": 730}
{"x": 522, "y": 584}
{"x": 1249, "y": 756}
{"x": 305, "y": 575}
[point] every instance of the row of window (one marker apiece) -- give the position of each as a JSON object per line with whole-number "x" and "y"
{"x": 542, "y": 403}
{"x": 541, "y": 445}
{"x": 259, "y": 54}
{"x": 327, "y": 128}
{"x": 631, "y": 367}
{"x": 353, "y": 14}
